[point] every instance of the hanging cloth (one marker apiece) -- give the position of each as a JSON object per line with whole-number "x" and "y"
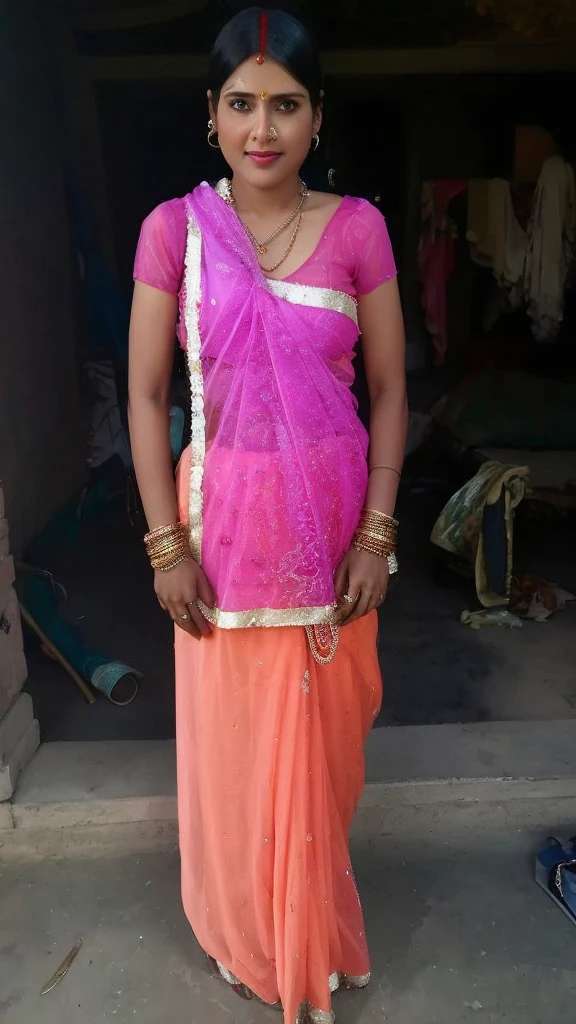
{"x": 436, "y": 258}
{"x": 550, "y": 255}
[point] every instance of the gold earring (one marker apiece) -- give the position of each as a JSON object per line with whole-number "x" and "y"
{"x": 315, "y": 142}
{"x": 212, "y": 131}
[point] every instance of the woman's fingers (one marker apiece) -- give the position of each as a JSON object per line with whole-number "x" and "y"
{"x": 347, "y": 605}
{"x": 341, "y": 579}
{"x": 348, "y": 591}
{"x": 361, "y": 606}
{"x": 178, "y": 592}
{"x": 354, "y": 597}
{"x": 205, "y": 592}
{"x": 183, "y": 616}
{"x": 376, "y": 599}
{"x": 383, "y": 593}
{"x": 184, "y": 620}
{"x": 189, "y": 617}
{"x": 199, "y": 621}
{"x": 368, "y": 575}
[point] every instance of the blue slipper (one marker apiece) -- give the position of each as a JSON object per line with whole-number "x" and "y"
{"x": 556, "y": 874}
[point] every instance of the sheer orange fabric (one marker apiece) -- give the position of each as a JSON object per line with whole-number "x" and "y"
{"x": 270, "y": 770}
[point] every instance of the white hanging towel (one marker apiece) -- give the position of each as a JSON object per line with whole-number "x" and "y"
{"x": 551, "y": 240}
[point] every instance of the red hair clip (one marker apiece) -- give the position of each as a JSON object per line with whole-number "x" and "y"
{"x": 263, "y": 37}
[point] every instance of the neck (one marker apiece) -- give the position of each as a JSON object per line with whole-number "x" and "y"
{"x": 265, "y": 201}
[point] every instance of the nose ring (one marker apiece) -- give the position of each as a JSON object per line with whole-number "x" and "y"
{"x": 272, "y": 133}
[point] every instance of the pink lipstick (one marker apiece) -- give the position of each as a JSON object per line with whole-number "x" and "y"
{"x": 264, "y": 159}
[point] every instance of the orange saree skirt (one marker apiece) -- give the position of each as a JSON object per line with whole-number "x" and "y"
{"x": 270, "y": 771}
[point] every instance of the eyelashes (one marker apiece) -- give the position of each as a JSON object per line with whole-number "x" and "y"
{"x": 243, "y": 107}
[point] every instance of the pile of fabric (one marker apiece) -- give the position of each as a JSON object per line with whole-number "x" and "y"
{"x": 477, "y": 528}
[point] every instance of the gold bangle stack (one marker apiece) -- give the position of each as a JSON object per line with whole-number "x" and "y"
{"x": 167, "y": 546}
{"x": 378, "y": 534}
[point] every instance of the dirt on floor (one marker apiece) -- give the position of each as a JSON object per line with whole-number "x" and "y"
{"x": 458, "y": 932}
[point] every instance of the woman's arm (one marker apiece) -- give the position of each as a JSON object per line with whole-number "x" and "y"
{"x": 384, "y": 353}
{"x": 152, "y": 328}
{"x": 361, "y": 573}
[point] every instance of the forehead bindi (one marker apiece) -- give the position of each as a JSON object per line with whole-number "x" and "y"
{"x": 270, "y": 78}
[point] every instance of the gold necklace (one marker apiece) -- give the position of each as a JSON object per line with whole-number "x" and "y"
{"x": 262, "y": 247}
{"x": 287, "y": 251}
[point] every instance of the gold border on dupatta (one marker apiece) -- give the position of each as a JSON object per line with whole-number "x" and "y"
{"x": 311, "y": 295}
{"x": 313, "y": 616}
{"x": 193, "y": 299}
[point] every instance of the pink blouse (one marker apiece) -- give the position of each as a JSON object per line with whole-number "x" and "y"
{"x": 354, "y": 254}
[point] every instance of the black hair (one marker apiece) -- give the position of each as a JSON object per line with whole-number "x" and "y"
{"x": 289, "y": 43}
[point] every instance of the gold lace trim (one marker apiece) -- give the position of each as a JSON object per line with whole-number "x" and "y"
{"x": 221, "y": 189}
{"x": 227, "y": 975}
{"x": 310, "y": 1015}
{"x": 307, "y": 1013}
{"x": 355, "y": 980}
{"x": 198, "y": 422}
{"x": 317, "y": 298}
{"x": 317, "y": 614}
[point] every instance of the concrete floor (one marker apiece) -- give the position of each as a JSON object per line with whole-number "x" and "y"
{"x": 435, "y": 669}
{"x": 458, "y": 931}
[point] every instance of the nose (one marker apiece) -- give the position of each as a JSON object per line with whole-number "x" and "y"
{"x": 261, "y": 126}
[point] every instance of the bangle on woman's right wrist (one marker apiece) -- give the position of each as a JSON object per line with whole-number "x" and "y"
{"x": 167, "y": 546}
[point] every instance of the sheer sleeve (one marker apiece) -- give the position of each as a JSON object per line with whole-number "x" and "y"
{"x": 161, "y": 247}
{"x": 370, "y": 241}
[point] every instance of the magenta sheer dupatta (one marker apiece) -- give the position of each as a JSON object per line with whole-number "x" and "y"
{"x": 278, "y": 468}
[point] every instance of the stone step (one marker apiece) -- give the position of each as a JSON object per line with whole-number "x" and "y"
{"x": 517, "y": 774}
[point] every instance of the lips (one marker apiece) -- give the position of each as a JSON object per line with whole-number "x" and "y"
{"x": 265, "y": 158}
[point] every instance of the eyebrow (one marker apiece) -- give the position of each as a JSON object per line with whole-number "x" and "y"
{"x": 279, "y": 96}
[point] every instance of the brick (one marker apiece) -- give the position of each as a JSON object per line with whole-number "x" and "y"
{"x": 13, "y": 670}
{"x": 19, "y": 757}
{"x": 14, "y": 724}
{"x": 6, "y": 577}
{"x": 4, "y": 538}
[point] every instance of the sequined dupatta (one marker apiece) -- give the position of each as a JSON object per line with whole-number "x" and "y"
{"x": 278, "y": 456}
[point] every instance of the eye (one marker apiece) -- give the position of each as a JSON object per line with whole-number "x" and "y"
{"x": 240, "y": 105}
{"x": 287, "y": 106}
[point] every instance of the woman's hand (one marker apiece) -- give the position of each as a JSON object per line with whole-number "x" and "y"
{"x": 177, "y": 591}
{"x": 363, "y": 577}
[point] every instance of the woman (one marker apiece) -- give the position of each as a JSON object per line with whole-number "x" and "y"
{"x": 274, "y": 550}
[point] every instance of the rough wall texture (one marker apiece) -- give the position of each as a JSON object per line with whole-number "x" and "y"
{"x": 41, "y": 438}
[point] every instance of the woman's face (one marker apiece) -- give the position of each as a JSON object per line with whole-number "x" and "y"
{"x": 254, "y": 100}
